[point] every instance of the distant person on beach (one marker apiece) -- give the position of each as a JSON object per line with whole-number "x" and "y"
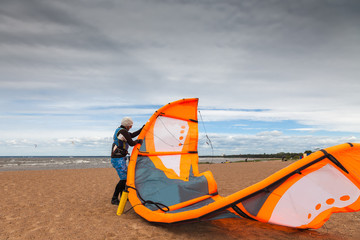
{"x": 119, "y": 150}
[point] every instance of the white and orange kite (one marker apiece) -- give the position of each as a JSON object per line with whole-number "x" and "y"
{"x": 165, "y": 185}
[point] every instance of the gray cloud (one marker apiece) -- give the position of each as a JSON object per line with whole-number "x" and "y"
{"x": 59, "y": 59}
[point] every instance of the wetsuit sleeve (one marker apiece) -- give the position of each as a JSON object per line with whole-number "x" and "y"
{"x": 135, "y": 134}
{"x": 128, "y": 137}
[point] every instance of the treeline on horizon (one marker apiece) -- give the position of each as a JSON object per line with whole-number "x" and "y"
{"x": 281, "y": 155}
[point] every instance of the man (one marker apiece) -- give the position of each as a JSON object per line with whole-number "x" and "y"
{"x": 122, "y": 141}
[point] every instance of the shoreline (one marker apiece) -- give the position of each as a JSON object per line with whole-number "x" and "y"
{"x": 86, "y": 162}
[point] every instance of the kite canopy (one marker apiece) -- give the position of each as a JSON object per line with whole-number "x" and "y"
{"x": 165, "y": 185}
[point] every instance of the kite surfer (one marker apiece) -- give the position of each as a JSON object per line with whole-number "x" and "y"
{"x": 119, "y": 150}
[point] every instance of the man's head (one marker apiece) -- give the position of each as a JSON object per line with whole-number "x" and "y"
{"x": 127, "y": 122}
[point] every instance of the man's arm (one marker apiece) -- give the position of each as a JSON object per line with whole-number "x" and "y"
{"x": 128, "y": 137}
{"x": 135, "y": 134}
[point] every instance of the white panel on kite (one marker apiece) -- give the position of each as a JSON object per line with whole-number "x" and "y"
{"x": 313, "y": 194}
{"x": 169, "y": 134}
{"x": 171, "y": 162}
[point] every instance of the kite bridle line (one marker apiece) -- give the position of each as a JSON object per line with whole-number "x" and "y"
{"x": 159, "y": 205}
{"x": 207, "y": 141}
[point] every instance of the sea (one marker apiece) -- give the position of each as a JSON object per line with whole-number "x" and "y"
{"x": 18, "y": 163}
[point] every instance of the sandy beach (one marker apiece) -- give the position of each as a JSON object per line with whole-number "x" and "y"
{"x": 75, "y": 204}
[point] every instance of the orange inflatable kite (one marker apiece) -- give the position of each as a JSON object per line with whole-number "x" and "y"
{"x": 165, "y": 185}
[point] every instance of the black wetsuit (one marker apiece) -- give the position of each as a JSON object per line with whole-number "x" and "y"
{"x": 118, "y": 152}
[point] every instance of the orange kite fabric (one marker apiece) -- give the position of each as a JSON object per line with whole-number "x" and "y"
{"x": 165, "y": 184}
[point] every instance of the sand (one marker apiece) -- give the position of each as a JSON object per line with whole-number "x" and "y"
{"x": 75, "y": 204}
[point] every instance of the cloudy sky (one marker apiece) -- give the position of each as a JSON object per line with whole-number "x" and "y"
{"x": 271, "y": 76}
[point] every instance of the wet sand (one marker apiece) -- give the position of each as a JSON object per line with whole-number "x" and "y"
{"x": 75, "y": 204}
